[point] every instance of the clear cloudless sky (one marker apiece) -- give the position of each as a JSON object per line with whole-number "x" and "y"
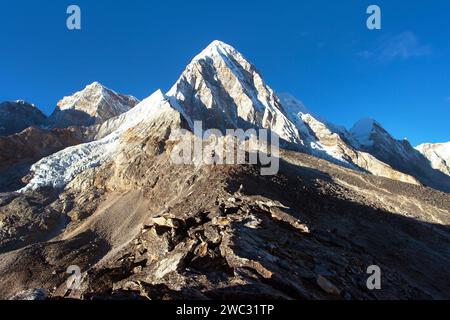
{"x": 320, "y": 51}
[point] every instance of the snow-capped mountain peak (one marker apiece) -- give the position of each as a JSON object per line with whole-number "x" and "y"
{"x": 222, "y": 89}
{"x": 18, "y": 115}
{"x": 94, "y": 104}
{"x": 216, "y": 49}
{"x": 363, "y": 129}
{"x": 62, "y": 167}
{"x": 438, "y": 154}
{"x": 292, "y": 105}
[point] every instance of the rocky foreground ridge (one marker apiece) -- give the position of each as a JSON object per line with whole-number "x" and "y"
{"x": 111, "y": 201}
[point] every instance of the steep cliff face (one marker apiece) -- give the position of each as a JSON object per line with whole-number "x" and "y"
{"x": 438, "y": 154}
{"x": 141, "y": 226}
{"x": 93, "y": 105}
{"x": 224, "y": 91}
{"x": 333, "y": 143}
{"x": 372, "y": 138}
{"x": 17, "y": 116}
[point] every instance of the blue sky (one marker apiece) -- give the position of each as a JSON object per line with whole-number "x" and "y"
{"x": 319, "y": 51}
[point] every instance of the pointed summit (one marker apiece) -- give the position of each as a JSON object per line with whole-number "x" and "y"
{"x": 225, "y": 91}
{"x": 18, "y": 115}
{"x": 216, "y": 49}
{"x": 438, "y": 154}
{"x": 94, "y": 104}
{"x": 363, "y": 129}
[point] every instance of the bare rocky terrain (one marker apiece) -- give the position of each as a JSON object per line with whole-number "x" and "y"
{"x": 109, "y": 199}
{"x": 226, "y": 232}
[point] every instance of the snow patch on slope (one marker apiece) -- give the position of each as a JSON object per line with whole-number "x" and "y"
{"x": 62, "y": 167}
{"x": 312, "y": 130}
{"x": 293, "y": 106}
{"x": 220, "y": 87}
{"x": 362, "y": 131}
{"x": 438, "y": 154}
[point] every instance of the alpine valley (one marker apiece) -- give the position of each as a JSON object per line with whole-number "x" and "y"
{"x": 93, "y": 186}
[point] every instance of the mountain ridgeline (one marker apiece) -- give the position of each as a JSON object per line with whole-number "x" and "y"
{"x": 223, "y": 90}
{"x": 93, "y": 185}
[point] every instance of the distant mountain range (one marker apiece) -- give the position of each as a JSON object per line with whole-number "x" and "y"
{"x": 223, "y": 90}
{"x": 93, "y": 185}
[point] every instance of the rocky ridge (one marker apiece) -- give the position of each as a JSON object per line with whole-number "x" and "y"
{"x": 141, "y": 227}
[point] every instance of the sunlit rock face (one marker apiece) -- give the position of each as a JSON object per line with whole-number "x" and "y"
{"x": 438, "y": 154}
{"x": 222, "y": 89}
{"x": 141, "y": 226}
{"x": 369, "y": 136}
{"x": 93, "y": 105}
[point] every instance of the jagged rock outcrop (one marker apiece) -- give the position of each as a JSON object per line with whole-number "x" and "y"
{"x": 19, "y": 115}
{"x": 35, "y": 143}
{"x": 93, "y": 105}
{"x": 140, "y": 226}
{"x": 369, "y": 136}
{"x": 224, "y": 91}
{"x": 438, "y": 154}
{"x": 329, "y": 142}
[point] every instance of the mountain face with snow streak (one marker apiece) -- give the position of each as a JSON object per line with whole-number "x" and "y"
{"x": 224, "y": 91}
{"x": 17, "y": 116}
{"x": 117, "y": 205}
{"x": 60, "y": 168}
{"x": 45, "y": 137}
{"x": 369, "y": 136}
{"x": 438, "y": 154}
{"x": 93, "y": 105}
{"x": 327, "y": 141}
{"x": 219, "y": 87}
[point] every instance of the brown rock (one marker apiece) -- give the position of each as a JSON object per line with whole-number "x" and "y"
{"x": 327, "y": 286}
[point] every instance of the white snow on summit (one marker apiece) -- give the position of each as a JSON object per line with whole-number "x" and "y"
{"x": 94, "y": 92}
{"x": 60, "y": 168}
{"x": 317, "y": 136}
{"x": 293, "y": 106}
{"x": 222, "y": 89}
{"x": 438, "y": 154}
{"x": 362, "y": 131}
{"x": 92, "y": 105}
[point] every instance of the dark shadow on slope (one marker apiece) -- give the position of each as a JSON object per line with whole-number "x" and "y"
{"x": 418, "y": 166}
{"x": 29, "y": 219}
{"x": 66, "y": 118}
{"x": 346, "y": 237}
{"x": 46, "y": 263}
{"x": 219, "y": 117}
{"x": 11, "y": 178}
